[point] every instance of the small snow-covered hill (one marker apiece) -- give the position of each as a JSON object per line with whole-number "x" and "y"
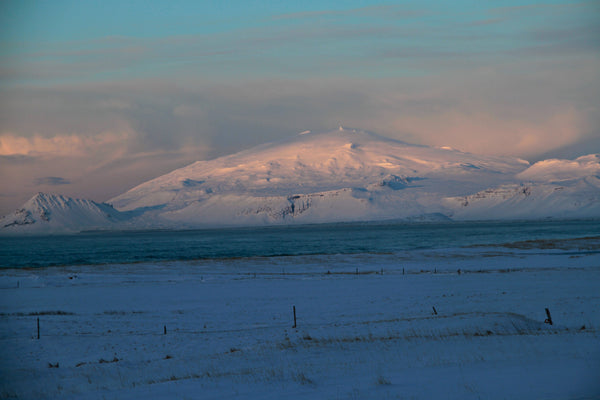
{"x": 549, "y": 188}
{"x": 554, "y": 170}
{"x": 342, "y": 175}
{"x": 49, "y": 213}
{"x": 534, "y": 200}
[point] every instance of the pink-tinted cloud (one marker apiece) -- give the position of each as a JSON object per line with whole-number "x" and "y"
{"x": 482, "y": 132}
{"x": 65, "y": 145}
{"x": 93, "y": 166}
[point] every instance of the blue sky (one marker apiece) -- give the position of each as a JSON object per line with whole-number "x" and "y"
{"x": 49, "y": 43}
{"x": 94, "y": 90}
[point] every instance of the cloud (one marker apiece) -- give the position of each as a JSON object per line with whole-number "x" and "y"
{"x": 550, "y": 106}
{"x": 385, "y": 11}
{"x": 380, "y": 40}
{"x": 542, "y": 7}
{"x": 52, "y": 181}
{"x": 61, "y": 145}
{"x": 96, "y": 175}
{"x": 493, "y": 134}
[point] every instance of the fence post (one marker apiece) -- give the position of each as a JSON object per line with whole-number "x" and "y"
{"x": 38, "y": 328}
{"x": 294, "y": 308}
{"x": 549, "y": 319}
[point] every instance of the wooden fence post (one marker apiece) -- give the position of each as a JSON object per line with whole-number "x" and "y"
{"x": 38, "y": 328}
{"x": 549, "y": 319}
{"x": 294, "y": 308}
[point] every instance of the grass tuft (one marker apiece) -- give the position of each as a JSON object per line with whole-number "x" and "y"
{"x": 303, "y": 379}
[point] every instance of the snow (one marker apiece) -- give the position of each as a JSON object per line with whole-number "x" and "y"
{"x": 49, "y": 213}
{"x": 371, "y": 335}
{"x": 554, "y": 170}
{"x": 325, "y": 161}
{"x": 339, "y": 174}
{"x": 579, "y": 199}
{"x": 329, "y": 166}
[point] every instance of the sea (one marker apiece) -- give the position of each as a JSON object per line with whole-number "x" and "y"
{"x": 124, "y": 247}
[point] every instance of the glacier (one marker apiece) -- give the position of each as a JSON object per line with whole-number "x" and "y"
{"x": 338, "y": 176}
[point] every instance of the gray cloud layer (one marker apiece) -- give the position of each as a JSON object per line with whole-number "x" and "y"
{"x": 51, "y": 181}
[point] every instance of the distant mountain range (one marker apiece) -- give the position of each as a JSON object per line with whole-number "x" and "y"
{"x": 343, "y": 175}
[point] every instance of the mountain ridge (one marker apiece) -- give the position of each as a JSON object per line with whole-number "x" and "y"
{"x": 336, "y": 176}
{"x": 314, "y": 162}
{"x": 55, "y": 213}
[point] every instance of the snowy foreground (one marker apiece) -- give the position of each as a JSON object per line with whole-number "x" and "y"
{"x": 369, "y": 335}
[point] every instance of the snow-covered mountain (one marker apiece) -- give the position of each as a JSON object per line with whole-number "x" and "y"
{"x": 554, "y": 170}
{"x": 311, "y": 163}
{"x": 343, "y": 175}
{"x": 51, "y": 213}
{"x": 579, "y": 198}
{"x": 549, "y": 188}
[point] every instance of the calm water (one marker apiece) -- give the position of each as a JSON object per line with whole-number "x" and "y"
{"x": 128, "y": 247}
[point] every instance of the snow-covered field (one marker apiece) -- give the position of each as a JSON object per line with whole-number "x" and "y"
{"x": 366, "y": 327}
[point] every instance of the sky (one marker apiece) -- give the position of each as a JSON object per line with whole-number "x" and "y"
{"x": 99, "y": 96}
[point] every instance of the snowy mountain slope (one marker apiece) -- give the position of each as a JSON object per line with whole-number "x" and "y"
{"x": 554, "y": 170}
{"x": 578, "y": 198}
{"x": 311, "y": 163}
{"x": 46, "y": 213}
{"x": 549, "y": 188}
{"x": 329, "y": 206}
{"x": 342, "y": 175}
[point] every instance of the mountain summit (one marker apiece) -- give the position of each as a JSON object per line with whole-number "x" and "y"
{"x": 350, "y": 175}
{"x": 51, "y": 213}
{"x": 315, "y": 162}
